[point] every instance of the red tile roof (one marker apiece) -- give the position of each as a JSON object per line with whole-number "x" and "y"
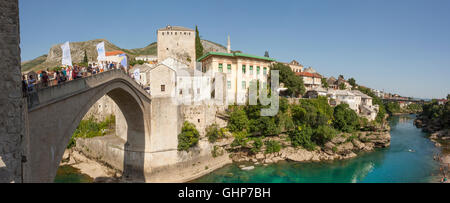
{"x": 114, "y": 53}
{"x": 307, "y": 74}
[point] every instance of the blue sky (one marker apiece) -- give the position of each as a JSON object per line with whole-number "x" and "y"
{"x": 401, "y": 46}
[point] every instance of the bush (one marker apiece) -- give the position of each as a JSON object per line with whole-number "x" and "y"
{"x": 91, "y": 128}
{"x": 240, "y": 139}
{"x": 267, "y": 126}
{"x": 213, "y": 133}
{"x": 188, "y": 137}
{"x": 272, "y": 146}
{"x": 324, "y": 134}
{"x": 345, "y": 119}
{"x": 238, "y": 121}
{"x": 217, "y": 151}
{"x": 256, "y": 145}
{"x": 301, "y": 137}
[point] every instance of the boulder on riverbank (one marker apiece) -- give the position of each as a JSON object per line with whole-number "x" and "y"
{"x": 344, "y": 146}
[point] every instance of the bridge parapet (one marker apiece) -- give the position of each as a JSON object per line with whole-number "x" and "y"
{"x": 55, "y": 93}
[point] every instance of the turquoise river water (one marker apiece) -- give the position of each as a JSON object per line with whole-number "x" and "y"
{"x": 408, "y": 159}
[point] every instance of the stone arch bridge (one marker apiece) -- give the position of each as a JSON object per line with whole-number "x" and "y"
{"x": 55, "y": 112}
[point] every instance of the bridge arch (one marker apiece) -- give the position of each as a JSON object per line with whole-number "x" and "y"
{"x": 66, "y": 105}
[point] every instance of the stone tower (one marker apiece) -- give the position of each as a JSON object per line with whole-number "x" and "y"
{"x": 177, "y": 42}
{"x": 12, "y": 105}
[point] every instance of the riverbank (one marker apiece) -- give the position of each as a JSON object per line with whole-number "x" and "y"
{"x": 102, "y": 158}
{"x": 343, "y": 146}
{"x": 98, "y": 172}
{"x": 440, "y": 137}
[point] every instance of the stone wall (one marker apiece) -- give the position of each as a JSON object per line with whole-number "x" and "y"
{"x": 103, "y": 108}
{"x": 203, "y": 116}
{"x": 12, "y": 105}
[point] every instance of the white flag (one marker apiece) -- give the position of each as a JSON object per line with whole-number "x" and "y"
{"x": 101, "y": 51}
{"x": 66, "y": 58}
{"x": 137, "y": 75}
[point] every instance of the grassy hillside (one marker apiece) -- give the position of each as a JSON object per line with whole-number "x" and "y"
{"x": 29, "y": 65}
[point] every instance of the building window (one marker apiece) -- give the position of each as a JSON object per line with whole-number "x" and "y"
{"x": 162, "y": 33}
{"x": 163, "y": 88}
{"x": 229, "y": 68}
{"x": 244, "y": 85}
{"x": 265, "y": 71}
{"x": 181, "y": 92}
{"x": 251, "y": 70}
{"x": 257, "y": 70}
{"x": 198, "y": 90}
{"x": 229, "y": 84}
{"x": 220, "y": 67}
{"x": 243, "y": 69}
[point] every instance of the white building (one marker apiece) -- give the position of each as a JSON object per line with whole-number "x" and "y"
{"x": 357, "y": 101}
{"x": 240, "y": 69}
{"x": 172, "y": 78}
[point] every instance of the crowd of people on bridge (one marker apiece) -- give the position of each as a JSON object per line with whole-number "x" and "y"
{"x": 46, "y": 78}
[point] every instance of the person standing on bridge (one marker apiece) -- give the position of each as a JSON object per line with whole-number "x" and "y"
{"x": 24, "y": 86}
{"x": 44, "y": 79}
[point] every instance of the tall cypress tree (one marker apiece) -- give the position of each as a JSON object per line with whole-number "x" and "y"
{"x": 198, "y": 44}
{"x": 85, "y": 59}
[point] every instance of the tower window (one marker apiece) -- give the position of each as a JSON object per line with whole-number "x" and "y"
{"x": 163, "y": 88}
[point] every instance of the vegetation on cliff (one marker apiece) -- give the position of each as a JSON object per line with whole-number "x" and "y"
{"x": 434, "y": 116}
{"x": 188, "y": 137}
{"x": 92, "y": 128}
{"x": 310, "y": 123}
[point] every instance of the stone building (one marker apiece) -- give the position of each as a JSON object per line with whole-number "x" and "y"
{"x": 177, "y": 42}
{"x": 357, "y": 101}
{"x": 240, "y": 70}
{"x": 295, "y": 66}
{"x": 310, "y": 80}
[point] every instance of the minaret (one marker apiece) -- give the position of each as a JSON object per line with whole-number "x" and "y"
{"x": 229, "y": 45}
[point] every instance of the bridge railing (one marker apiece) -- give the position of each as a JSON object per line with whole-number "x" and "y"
{"x": 42, "y": 95}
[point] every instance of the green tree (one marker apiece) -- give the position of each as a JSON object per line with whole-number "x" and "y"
{"x": 301, "y": 137}
{"x": 352, "y": 82}
{"x": 345, "y": 119}
{"x": 188, "y": 137}
{"x": 323, "y": 134}
{"x": 238, "y": 121}
{"x": 324, "y": 83}
{"x": 291, "y": 81}
{"x": 198, "y": 44}
{"x": 85, "y": 59}
{"x": 342, "y": 86}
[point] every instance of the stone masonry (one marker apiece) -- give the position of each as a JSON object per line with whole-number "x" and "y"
{"x": 12, "y": 106}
